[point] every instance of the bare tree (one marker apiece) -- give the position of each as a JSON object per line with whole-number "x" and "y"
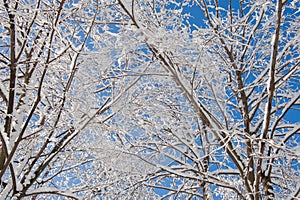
{"x": 59, "y": 80}
{"x": 129, "y": 99}
{"x": 216, "y": 111}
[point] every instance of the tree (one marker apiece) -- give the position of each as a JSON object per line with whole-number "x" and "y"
{"x": 213, "y": 110}
{"x": 56, "y": 96}
{"x": 132, "y": 99}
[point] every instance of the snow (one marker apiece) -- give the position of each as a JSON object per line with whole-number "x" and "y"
{"x": 297, "y": 150}
{"x": 291, "y": 132}
{"x": 265, "y": 6}
{"x": 265, "y": 120}
{"x": 28, "y": 178}
{"x": 128, "y": 5}
{"x": 216, "y": 21}
{"x": 19, "y": 186}
{"x": 273, "y": 39}
{"x": 45, "y": 190}
{"x": 5, "y": 192}
{"x": 270, "y": 190}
